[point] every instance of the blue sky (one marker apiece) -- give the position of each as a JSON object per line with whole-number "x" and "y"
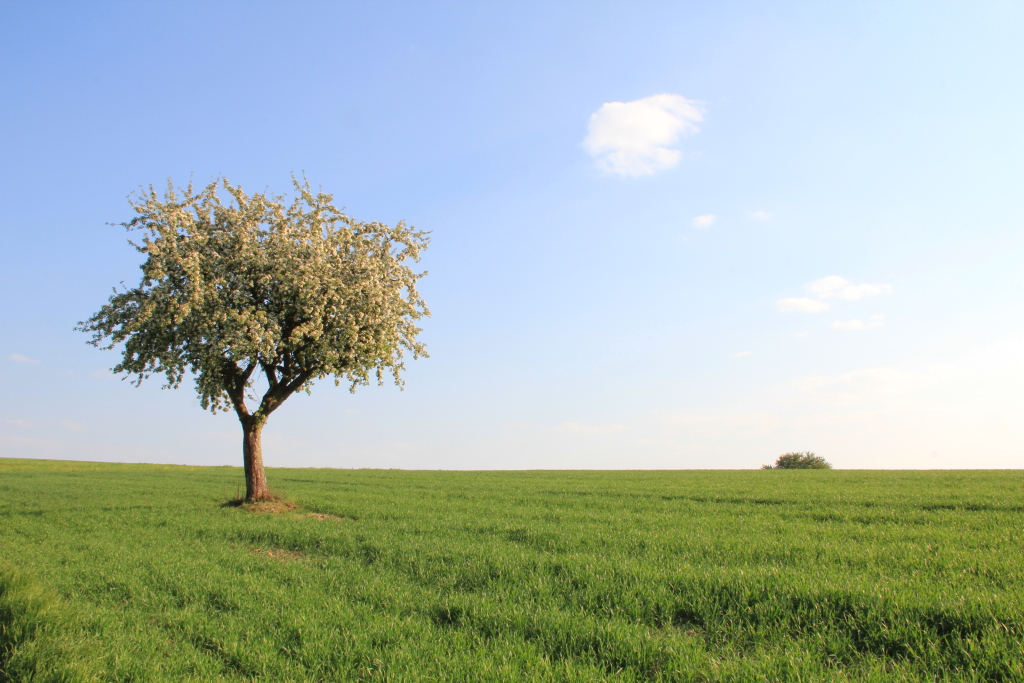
{"x": 665, "y": 235}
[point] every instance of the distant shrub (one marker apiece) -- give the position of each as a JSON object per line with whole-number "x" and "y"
{"x": 799, "y": 461}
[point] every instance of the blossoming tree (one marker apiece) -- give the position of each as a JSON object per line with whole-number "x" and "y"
{"x": 255, "y": 288}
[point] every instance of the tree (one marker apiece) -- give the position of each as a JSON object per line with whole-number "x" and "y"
{"x": 799, "y": 461}
{"x": 257, "y": 289}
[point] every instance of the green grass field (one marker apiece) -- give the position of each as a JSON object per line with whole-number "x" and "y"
{"x": 139, "y": 573}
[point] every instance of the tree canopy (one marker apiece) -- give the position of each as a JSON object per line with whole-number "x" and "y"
{"x": 799, "y": 461}
{"x": 292, "y": 291}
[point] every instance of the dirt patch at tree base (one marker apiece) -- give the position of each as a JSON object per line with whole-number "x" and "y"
{"x": 275, "y": 505}
{"x": 271, "y": 507}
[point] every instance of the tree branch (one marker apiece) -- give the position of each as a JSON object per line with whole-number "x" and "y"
{"x": 235, "y": 386}
{"x": 273, "y": 399}
{"x": 303, "y": 377}
{"x": 270, "y": 370}
{"x": 247, "y": 374}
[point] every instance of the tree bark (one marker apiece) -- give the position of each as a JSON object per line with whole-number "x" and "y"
{"x": 252, "y": 455}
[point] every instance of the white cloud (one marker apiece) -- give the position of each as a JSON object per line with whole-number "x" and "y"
{"x": 760, "y": 215}
{"x": 633, "y": 138}
{"x": 856, "y": 325}
{"x": 18, "y": 358}
{"x": 801, "y": 305}
{"x": 741, "y": 354}
{"x": 705, "y": 221}
{"x": 835, "y": 287}
{"x": 71, "y": 425}
{"x": 18, "y": 423}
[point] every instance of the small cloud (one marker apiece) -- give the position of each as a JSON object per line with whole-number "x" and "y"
{"x": 18, "y": 358}
{"x": 18, "y": 423}
{"x": 760, "y": 215}
{"x": 859, "y": 325}
{"x": 835, "y": 287}
{"x": 801, "y": 305}
{"x": 633, "y": 138}
{"x": 741, "y": 354}
{"x": 705, "y": 221}
{"x": 71, "y": 425}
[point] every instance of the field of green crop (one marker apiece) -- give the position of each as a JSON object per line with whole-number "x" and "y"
{"x": 140, "y": 573}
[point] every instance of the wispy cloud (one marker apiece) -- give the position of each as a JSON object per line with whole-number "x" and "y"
{"x": 857, "y": 325}
{"x": 801, "y": 305}
{"x": 18, "y": 358}
{"x": 73, "y": 426}
{"x": 760, "y": 215}
{"x": 18, "y": 423}
{"x": 835, "y": 287}
{"x": 741, "y": 354}
{"x": 634, "y": 138}
{"x": 705, "y": 221}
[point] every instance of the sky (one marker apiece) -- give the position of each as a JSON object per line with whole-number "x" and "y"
{"x": 664, "y": 235}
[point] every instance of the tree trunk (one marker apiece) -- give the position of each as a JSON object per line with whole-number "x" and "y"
{"x": 252, "y": 455}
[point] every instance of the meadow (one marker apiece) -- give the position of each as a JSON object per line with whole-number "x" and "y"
{"x": 142, "y": 573}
